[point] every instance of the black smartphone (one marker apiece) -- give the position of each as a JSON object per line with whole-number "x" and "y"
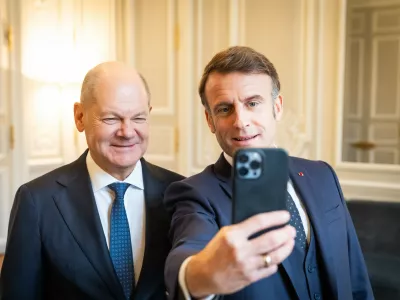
{"x": 260, "y": 178}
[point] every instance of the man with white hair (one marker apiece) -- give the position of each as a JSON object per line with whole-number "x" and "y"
{"x": 95, "y": 228}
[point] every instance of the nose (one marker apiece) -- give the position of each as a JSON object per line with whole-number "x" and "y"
{"x": 241, "y": 118}
{"x": 126, "y": 130}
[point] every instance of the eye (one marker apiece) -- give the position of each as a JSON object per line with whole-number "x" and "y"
{"x": 223, "y": 110}
{"x": 253, "y": 104}
{"x": 110, "y": 121}
{"x": 140, "y": 120}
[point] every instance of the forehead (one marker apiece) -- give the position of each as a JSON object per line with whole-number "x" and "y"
{"x": 238, "y": 85}
{"x": 121, "y": 93}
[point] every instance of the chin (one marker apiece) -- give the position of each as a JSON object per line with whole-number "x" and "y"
{"x": 126, "y": 163}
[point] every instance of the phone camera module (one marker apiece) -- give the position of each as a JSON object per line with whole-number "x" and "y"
{"x": 243, "y": 171}
{"x": 249, "y": 164}
{"x": 255, "y": 165}
{"x": 243, "y": 158}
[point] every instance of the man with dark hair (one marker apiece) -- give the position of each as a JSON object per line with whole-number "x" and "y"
{"x": 95, "y": 228}
{"x": 240, "y": 91}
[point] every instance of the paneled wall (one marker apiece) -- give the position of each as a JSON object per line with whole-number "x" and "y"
{"x": 5, "y": 122}
{"x": 370, "y": 102}
{"x": 154, "y": 55}
{"x": 60, "y": 41}
{"x": 170, "y": 42}
{"x": 372, "y": 96}
{"x": 53, "y": 44}
{"x": 292, "y": 33}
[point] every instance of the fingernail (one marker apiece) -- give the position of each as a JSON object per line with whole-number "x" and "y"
{"x": 287, "y": 215}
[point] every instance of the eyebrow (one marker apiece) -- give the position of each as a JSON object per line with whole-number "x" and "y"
{"x": 140, "y": 114}
{"x": 252, "y": 98}
{"x": 119, "y": 116}
{"x": 247, "y": 99}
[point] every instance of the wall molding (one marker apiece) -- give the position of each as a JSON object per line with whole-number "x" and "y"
{"x": 361, "y": 190}
{"x": 186, "y": 57}
{"x": 173, "y": 40}
{"x": 376, "y": 182}
{"x": 360, "y": 75}
{"x": 341, "y": 81}
{"x": 374, "y": 74}
{"x": 359, "y": 180}
{"x": 372, "y": 3}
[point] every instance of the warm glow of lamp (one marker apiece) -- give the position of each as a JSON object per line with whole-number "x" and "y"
{"x": 60, "y": 42}
{"x": 57, "y": 48}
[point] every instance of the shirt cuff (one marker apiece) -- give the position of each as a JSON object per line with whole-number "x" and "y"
{"x": 182, "y": 281}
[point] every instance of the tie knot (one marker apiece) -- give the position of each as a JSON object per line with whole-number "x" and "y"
{"x": 119, "y": 189}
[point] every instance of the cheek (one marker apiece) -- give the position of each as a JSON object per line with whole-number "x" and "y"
{"x": 142, "y": 130}
{"x": 222, "y": 126}
{"x": 265, "y": 119}
{"x": 102, "y": 132}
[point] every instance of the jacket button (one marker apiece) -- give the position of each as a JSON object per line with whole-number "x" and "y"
{"x": 317, "y": 296}
{"x": 310, "y": 268}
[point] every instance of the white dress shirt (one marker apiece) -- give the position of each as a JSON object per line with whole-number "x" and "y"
{"x": 134, "y": 206}
{"x": 303, "y": 216}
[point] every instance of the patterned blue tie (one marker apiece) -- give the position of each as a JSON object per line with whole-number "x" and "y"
{"x": 120, "y": 240}
{"x": 295, "y": 221}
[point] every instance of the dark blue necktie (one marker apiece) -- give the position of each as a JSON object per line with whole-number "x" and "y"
{"x": 120, "y": 240}
{"x": 295, "y": 221}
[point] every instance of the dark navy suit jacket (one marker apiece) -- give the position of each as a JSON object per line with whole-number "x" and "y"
{"x": 56, "y": 248}
{"x": 202, "y": 204}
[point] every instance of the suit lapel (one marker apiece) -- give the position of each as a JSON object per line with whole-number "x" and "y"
{"x": 311, "y": 197}
{"x": 77, "y": 206}
{"x": 153, "y": 193}
{"x": 223, "y": 171}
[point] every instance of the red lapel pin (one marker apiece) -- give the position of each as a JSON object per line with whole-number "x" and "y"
{"x": 301, "y": 174}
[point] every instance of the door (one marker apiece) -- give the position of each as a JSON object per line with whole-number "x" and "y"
{"x": 155, "y": 42}
{"x": 6, "y": 130}
{"x": 372, "y": 93}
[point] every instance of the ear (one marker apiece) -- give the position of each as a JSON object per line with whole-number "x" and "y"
{"x": 278, "y": 107}
{"x": 78, "y": 116}
{"x": 210, "y": 121}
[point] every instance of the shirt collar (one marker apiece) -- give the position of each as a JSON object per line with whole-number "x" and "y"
{"x": 228, "y": 158}
{"x": 100, "y": 178}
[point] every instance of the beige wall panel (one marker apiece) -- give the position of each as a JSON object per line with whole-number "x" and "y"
{"x": 154, "y": 50}
{"x": 211, "y": 32}
{"x": 274, "y": 28}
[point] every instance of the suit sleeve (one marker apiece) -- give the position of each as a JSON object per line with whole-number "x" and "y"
{"x": 360, "y": 283}
{"x": 193, "y": 225}
{"x": 21, "y": 275}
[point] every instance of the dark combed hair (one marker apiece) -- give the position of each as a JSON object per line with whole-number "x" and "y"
{"x": 243, "y": 60}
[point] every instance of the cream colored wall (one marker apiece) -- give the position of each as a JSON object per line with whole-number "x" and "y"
{"x": 275, "y": 28}
{"x": 54, "y": 43}
{"x": 306, "y": 41}
{"x": 171, "y": 41}
{"x": 363, "y": 180}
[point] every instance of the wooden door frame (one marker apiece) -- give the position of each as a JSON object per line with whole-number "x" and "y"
{"x": 18, "y": 164}
{"x": 360, "y": 180}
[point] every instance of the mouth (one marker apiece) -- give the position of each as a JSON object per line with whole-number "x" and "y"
{"x": 123, "y": 146}
{"x": 245, "y": 138}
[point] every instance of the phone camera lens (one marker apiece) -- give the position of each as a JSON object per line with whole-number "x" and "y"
{"x": 243, "y": 171}
{"x": 243, "y": 158}
{"x": 255, "y": 165}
